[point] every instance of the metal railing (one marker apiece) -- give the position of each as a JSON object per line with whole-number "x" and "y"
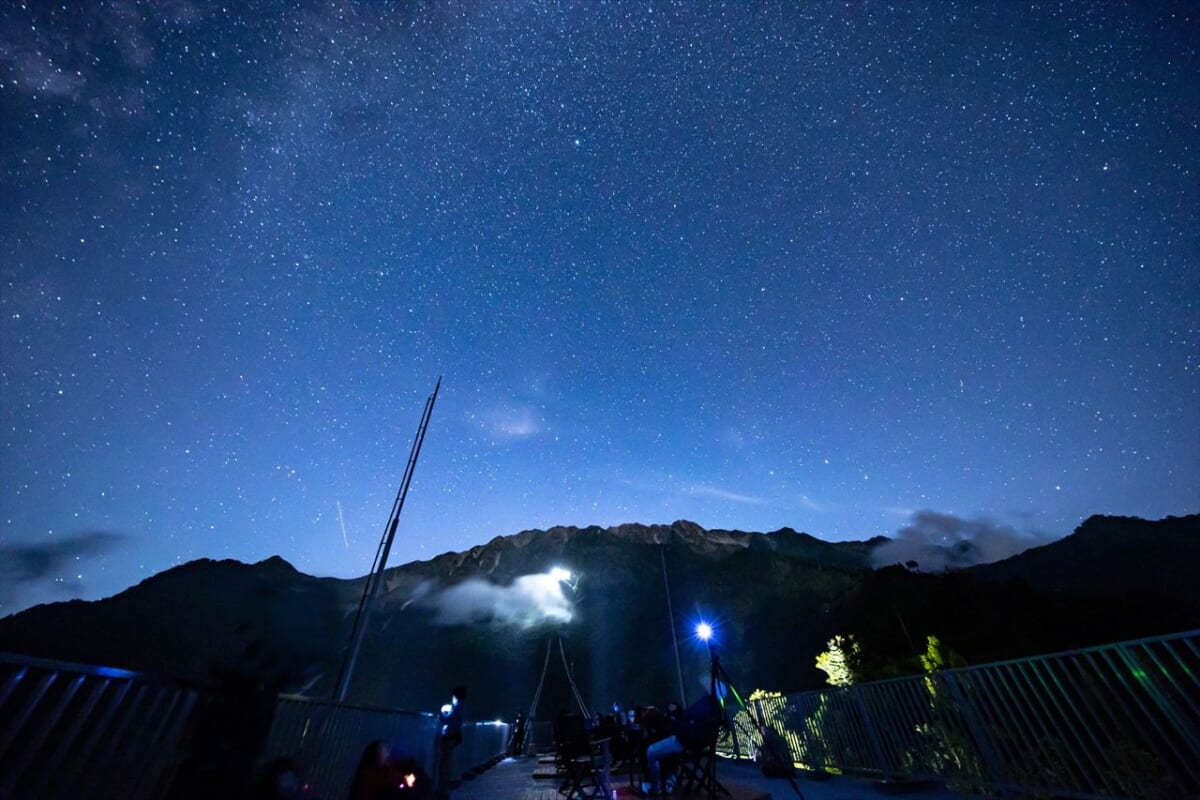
{"x": 1118, "y": 721}
{"x": 329, "y": 740}
{"x": 74, "y": 731}
{"x": 71, "y": 731}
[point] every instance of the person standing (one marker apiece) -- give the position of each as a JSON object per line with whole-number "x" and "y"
{"x": 516, "y": 745}
{"x": 449, "y": 737}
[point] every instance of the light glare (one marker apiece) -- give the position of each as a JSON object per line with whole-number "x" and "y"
{"x": 704, "y": 631}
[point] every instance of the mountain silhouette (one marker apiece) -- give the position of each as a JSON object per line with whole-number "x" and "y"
{"x": 774, "y": 598}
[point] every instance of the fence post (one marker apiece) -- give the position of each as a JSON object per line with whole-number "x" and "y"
{"x": 762, "y": 726}
{"x": 872, "y": 734}
{"x": 1149, "y": 683}
{"x": 983, "y": 744}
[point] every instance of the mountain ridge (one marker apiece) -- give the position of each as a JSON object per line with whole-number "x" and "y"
{"x": 776, "y": 598}
{"x": 717, "y": 541}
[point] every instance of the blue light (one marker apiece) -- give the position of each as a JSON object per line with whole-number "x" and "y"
{"x": 704, "y": 631}
{"x": 113, "y": 672}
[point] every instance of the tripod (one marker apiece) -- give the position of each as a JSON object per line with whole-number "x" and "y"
{"x": 720, "y": 678}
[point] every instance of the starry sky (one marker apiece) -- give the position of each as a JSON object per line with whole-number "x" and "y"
{"x": 819, "y": 265}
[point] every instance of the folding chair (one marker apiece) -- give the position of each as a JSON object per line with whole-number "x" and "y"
{"x": 583, "y": 762}
{"x": 698, "y": 771}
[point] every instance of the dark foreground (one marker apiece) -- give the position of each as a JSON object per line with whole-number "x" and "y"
{"x": 512, "y": 779}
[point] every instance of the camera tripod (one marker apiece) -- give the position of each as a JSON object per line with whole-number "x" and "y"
{"x": 719, "y": 678}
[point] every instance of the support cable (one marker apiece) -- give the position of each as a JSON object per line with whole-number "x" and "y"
{"x": 571, "y": 680}
{"x": 537, "y": 696}
{"x": 662, "y": 552}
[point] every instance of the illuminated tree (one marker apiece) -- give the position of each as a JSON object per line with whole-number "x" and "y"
{"x": 842, "y": 662}
{"x": 938, "y": 656}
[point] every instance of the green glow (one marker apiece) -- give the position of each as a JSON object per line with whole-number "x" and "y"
{"x": 840, "y": 662}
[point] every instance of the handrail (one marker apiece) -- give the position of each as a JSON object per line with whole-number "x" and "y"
{"x": 76, "y": 730}
{"x": 1116, "y": 721}
{"x": 84, "y": 669}
{"x": 1119, "y": 720}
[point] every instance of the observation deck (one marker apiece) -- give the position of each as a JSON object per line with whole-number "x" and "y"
{"x": 514, "y": 778}
{"x": 1117, "y": 721}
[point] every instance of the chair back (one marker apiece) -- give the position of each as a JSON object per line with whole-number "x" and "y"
{"x": 571, "y": 737}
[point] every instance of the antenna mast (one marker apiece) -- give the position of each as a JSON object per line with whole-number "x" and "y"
{"x": 375, "y": 578}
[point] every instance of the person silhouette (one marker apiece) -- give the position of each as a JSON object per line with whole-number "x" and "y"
{"x": 449, "y": 737}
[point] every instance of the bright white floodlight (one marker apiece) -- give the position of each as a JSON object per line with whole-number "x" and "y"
{"x": 704, "y": 631}
{"x": 560, "y": 574}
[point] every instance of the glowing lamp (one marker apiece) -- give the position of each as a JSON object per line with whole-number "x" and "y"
{"x": 704, "y": 631}
{"x": 560, "y": 574}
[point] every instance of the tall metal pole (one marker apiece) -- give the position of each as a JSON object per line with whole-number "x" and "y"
{"x": 371, "y": 589}
{"x": 662, "y": 553}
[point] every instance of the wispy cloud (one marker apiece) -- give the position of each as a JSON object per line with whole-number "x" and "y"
{"x": 48, "y": 62}
{"x": 50, "y": 564}
{"x": 705, "y": 490}
{"x": 899, "y": 511}
{"x": 34, "y": 72}
{"x": 512, "y": 422}
{"x": 731, "y": 437}
{"x": 812, "y": 505}
{"x": 671, "y": 488}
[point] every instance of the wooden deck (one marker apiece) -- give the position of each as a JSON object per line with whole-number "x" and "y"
{"x": 513, "y": 779}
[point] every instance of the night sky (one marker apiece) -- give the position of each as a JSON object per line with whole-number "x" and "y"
{"x": 750, "y": 265}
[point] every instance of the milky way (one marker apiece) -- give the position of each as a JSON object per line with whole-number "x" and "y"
{"x": 750, "y": 265}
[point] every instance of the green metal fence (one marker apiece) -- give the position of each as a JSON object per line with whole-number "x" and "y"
{"x": 1118, "y": 721}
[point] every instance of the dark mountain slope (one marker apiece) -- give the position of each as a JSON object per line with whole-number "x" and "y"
{"x": 199, "y": 621}
{"x": 1106, "y": 555}
{"x": 1114, "y": 578}
{"x": 621, "y": 640}
{"x": 775, "y": 599}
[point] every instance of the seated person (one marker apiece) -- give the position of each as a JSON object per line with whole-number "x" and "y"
{"x": 278, "y": 780}
{"x": 381, "y": 777}
{"x": 653, "y": 723}
{"x": 696, "y": 728}
{"x": 415, "y": 783}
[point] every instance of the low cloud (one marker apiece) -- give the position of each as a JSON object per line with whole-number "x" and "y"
{"x": 528, "y": 601}
{"x": 938, "y": 542}
{"x": 50, "y": 564}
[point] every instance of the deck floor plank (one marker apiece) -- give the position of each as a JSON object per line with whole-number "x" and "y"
{"x": 513, "y": 779}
